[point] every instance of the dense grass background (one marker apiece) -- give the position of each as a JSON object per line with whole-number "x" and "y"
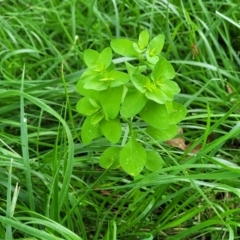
{"x": 51, "y": 186}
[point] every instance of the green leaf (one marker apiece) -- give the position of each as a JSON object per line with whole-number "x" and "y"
{"x": 97, "y": 83}
{"x": 154, "y": 161}
{"x": 140, "y": 82}
{"x": 169, "y": 106}
{"x": 105, "y": 58}
{"x": 155, "y": 94}
{"x": 84, "y": 91}
{"x": 133, "y": 157}
{"x": 170, "y": 86}
{"x": 89, "y": 131}
{"x": 155, "y": 115}
{"x": 104, "y": 80}
{"x": 133, "y": 103}
{"x": 178, "y": 113}
{"x": 111, "y": 129}
{"x": 94, "y": 103}
{"x": 143, "y": 39}
{"x": 110, "y": 100}
{"x": 85, "y": 107}
{"x": 88, "y": 74}
{"x": 151, "y": 59}
{"x": 110, "y": 158}
{"x": 124, "y": 47}
{"x": 156, "y": 44}
{"x": 90, "y": 57}
{"x": 97, "y": 117}
{"x": 163, "y": 134}
{"x": 137, "y": 48}
{"x": 118, "y": 78}
{"x": 110, "y": 67}
{"x": 134, "y": 70}
{"x": 163, "y": 71}
{"x": 169, "y": 89}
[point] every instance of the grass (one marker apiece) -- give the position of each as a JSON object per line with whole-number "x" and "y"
{"x": 51, "y": 186}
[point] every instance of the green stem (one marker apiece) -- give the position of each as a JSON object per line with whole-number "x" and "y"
{"x": 128, "y": 132}
{"x": 130, "y": 128}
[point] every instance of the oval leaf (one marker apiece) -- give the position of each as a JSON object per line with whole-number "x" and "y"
{"x": 105, "y": 58}
{"x": 156, "y": 44}
{"x": 111, "y": 129}
{"x": 154, "y": 161}
{"x": 134, "y": 70}
{"x": 89, "y": 131}
{"x": 88, "y": 74}
{"x": 133, "y": 103}
{"x": 85, "y": 107}
{"x": 110, "y": 158}
{"x": 124, "y": 47}
{"x": 155, "y": 94}
{"x": 140, "y": 82}
{"x": 90, "y": 57}
{"x": 163, "y": 134}
{"x": 110, "y": 100}
{"x": 173, "y": 86}
{"x": 155, "y": 115}
{"x": 169, "y": 89}
{"x": 118, "y": 78}
{"x": 85, "y": 92}
{"x": 151, "y": 59}
{"x": 163, "y": 71}
{"x": 137, "y": 48}
{"x": 97, "y": 83}
{"x": 178, "y": 113}
{"x": 97, "y": 117}
{"x": 133, "y": 157}
{"x": 143, "y": 39}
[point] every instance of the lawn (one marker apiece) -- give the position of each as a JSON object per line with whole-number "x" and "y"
{"x": 51, "y": 183}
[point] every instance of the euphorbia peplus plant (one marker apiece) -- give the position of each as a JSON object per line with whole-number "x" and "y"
{"x": 112, "y": 99}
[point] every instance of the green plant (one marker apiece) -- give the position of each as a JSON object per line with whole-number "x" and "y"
{"x": 113, "y": 100}
{"x": 195, "y": 196}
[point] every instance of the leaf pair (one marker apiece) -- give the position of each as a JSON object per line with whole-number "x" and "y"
{"x": 100, "y": 74}
{"x": 158, "y": 88}
{"x": 158, "y": 129}
{"x": 141, "y": 49}
{"x": 107, "y": 101}
{"x": 102, "y": 111}
{"x": 110, "y": 129}
{"x": 132, "y": 158}
{"x": 98, "y": 61}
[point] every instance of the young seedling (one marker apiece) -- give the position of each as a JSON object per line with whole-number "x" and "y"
{"x": 112, "y": 99}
